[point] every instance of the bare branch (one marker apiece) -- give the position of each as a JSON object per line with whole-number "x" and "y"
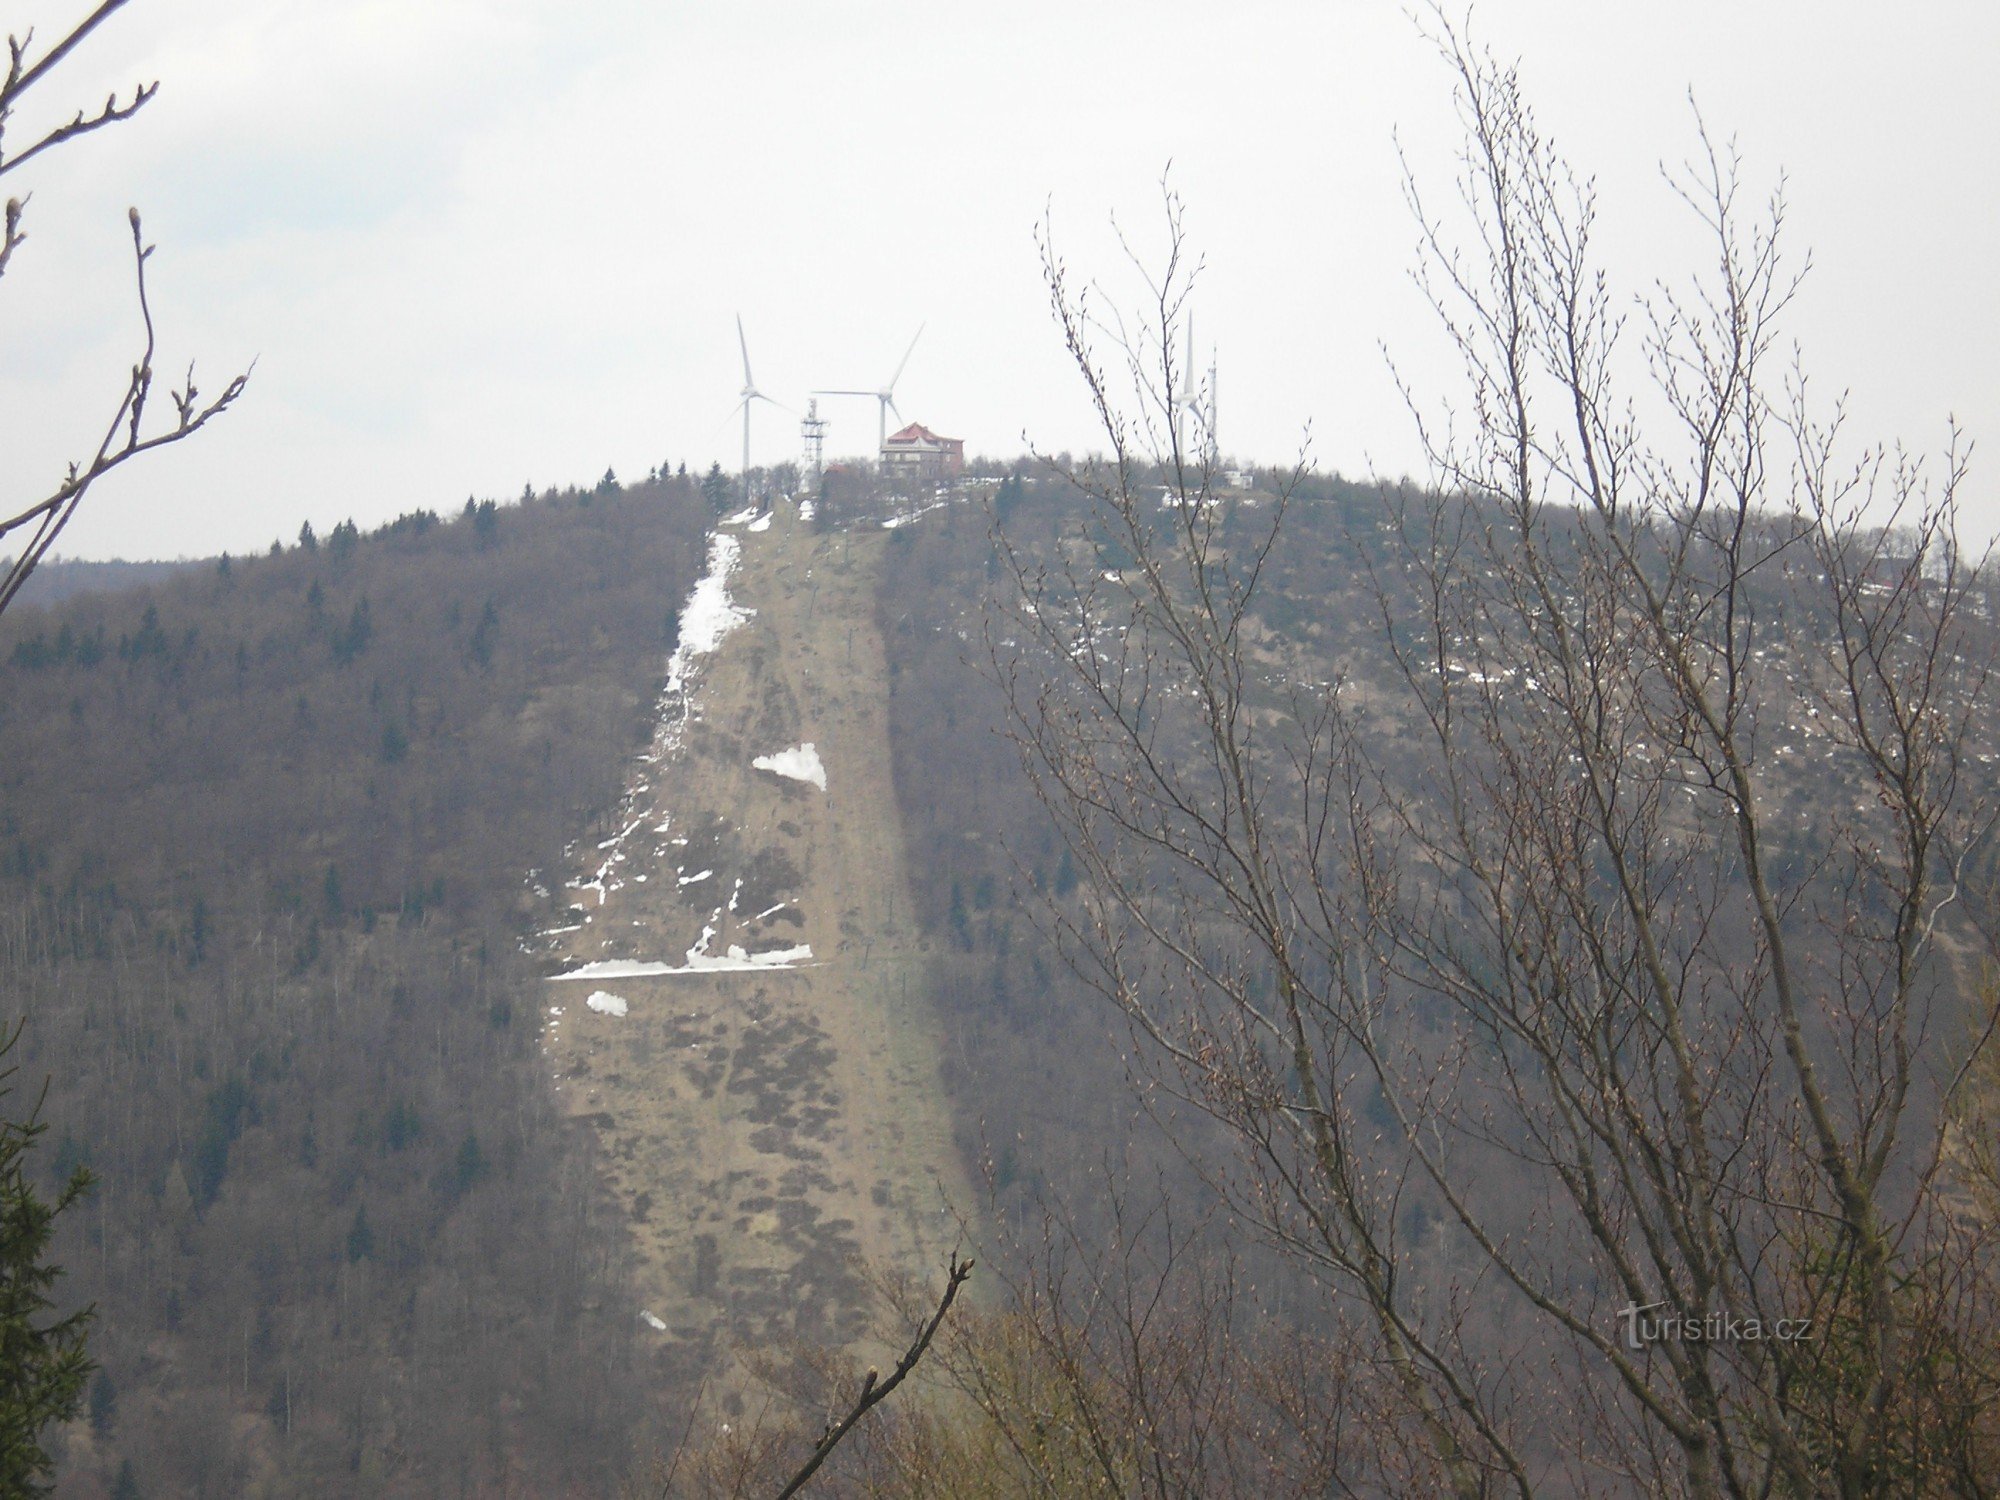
{"x": 124, "y": 439}
{"x": 872, "y": 1393}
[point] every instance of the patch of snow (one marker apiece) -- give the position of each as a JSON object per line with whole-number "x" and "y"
{"x": 777, "y": 958}
{"x": 607, "y": 1003}
{"x": 698, "y": 875}
{"x": 618, "y": 838}
{"x": 894, "y": 521}
{"x": 748, "y": 513}
{"x": 708, "y": 616}
{"x": 800, "y": 763}
{"x": 807, "y": 510}
{"x": 734, "y": 961}
{"x": 652, "y": 1322}
{"x": 762, "y": 523}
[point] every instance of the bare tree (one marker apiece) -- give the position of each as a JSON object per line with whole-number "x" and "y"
{"x": 1133, "y": 1355}
{"x": 1575, "y": 970}
{"x": 127, "y": 434}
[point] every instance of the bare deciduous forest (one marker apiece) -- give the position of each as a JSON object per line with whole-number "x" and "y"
{"x": 274, "y": 830}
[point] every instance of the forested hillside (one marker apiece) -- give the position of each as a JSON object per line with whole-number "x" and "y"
{"x": 1362, "y": 829}
{"x": 1033, "y": 1067}
{"x": 276, "y": 829}
{"x": 272, "y": 830}
{"x": 1040, "y": 1065}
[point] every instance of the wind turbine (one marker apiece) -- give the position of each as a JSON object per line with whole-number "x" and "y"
{"x": 1188, "y": 407}
{"x": 750, "y": 393}
{"x": 885, "y": 395}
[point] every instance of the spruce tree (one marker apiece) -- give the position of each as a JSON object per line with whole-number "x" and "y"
{"x": 44, "y": 1367}
{"x": 715, "y": 488}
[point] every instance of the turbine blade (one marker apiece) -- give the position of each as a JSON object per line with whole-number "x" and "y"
{"x": 906, "y": 359}
{"x": 733, "y": 412}
{"x": 744, "y": 345}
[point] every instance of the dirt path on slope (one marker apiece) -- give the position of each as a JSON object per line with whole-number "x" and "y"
{"x": 765, "y": 1128}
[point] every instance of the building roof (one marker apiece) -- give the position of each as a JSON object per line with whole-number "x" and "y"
{"x": 916, "y": 432}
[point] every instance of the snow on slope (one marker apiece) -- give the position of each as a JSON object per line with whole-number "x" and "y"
{"x": 735, "y": 960}
{"x": 800, "y": 763}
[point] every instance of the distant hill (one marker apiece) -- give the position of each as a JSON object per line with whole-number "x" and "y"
{"x": 60, "y": 578}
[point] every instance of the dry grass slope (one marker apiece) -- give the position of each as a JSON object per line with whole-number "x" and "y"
{"x": 767, "y": 1131}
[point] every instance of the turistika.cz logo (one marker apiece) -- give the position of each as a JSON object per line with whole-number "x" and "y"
{"x": 1649, "y": 1325}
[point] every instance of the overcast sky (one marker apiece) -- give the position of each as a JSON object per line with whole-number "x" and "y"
{"x": 477, "y": 243}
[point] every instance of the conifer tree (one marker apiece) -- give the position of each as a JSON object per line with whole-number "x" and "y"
{"x": 715, "y": 488}
{"x": 44, "y": 1368}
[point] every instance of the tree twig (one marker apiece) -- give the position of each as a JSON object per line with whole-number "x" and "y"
{"x": 50, "y": 515}
{"x": 873, "y": 1394}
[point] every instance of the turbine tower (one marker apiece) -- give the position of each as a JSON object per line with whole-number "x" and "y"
{"x": 1195, "y": 407}
{"x": 885, "y": 395}
{"x": 1186, "y": 405}
{"x": 750, "y": 393}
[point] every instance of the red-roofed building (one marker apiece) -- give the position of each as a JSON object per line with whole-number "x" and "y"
{"x": 918, "y": 453}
